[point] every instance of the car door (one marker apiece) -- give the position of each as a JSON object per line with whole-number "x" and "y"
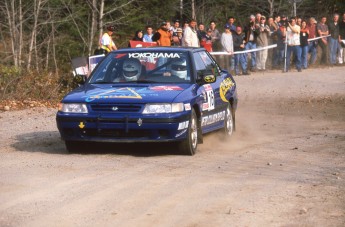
{"x": 212, "y": 107}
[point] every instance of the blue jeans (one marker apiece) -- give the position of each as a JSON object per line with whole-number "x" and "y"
{"x": 278, "y": 56}
{"x": 333, "y": 47}
{"x": 240, "y": 59}
{"x": 304, "y": 56}
{"x": 312, "y": 49}
{"x": 250, "y": 46}
{"x": 297, "y": 51}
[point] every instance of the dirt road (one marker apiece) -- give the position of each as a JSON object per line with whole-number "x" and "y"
{"x": 285, "y": 166}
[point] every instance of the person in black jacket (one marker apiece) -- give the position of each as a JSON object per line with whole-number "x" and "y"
{"x": 240, "y": 58}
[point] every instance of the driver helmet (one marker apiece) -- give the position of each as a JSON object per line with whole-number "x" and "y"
{"x": 179, "y": 68}
{"x": 131, "y": 69}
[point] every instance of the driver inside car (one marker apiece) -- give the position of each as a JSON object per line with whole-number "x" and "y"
{"x": 131, "y": 70}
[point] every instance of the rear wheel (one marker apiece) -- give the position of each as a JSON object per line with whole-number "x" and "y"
{"x": 190, "y": 145}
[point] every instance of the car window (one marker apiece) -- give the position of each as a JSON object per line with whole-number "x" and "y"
{"x": 203, "y": 63}
{"x": 143, "y": 67}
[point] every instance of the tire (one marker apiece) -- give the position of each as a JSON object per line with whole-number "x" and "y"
{"x": 229, "y": 123}
{"x": 72, "y": 146}
{"x": 190, "y": 144}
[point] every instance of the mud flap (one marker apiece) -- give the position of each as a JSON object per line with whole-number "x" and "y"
{"x": 200, "y": 136}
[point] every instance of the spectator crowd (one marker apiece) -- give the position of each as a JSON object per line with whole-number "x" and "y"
{"x": 262, "y": 42}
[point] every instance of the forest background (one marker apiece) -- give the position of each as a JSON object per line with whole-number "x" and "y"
{"x": 38, "y": 38}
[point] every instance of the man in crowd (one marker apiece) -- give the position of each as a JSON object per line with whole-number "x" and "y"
{"x": 322, "y": 31}
{"x": 341, "y": 40}
{"x": 190, "y": 37}
{"x": 262, "y": 41}
{"x": 312, "y": 45}
{"x": 240, "y": 58}
{"x": 333, "y": 39}
{"x": 251, "y": 36}
{"x": 293, "y": 45}
{"x": 231, "y": 21}
{"x": 107, "y": 43}
{"x": 163, "y": 35}
{"x": 228, "y": 44}
{"x": 149, "y": 33}
{"x": 215, "y": 34}
{"x": 278, "y": 38}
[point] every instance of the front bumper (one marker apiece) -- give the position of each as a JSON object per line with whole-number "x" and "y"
{"x": 123, "y": 128}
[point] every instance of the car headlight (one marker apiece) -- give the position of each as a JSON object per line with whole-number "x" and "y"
{"x": 163, "y": 108}
{"x": 73, "y": 108}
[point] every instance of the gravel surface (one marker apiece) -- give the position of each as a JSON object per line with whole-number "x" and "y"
{"x": 284, "y": 166}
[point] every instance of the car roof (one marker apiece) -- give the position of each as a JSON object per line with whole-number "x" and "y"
{"x": 155, "y": 48}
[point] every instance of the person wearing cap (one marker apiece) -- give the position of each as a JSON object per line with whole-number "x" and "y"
{"x": 228, "y": 44}
{"x": 312, "y": 45}
{"x": 239, "y": 45}
{"x": 107, "y": 44}
{"x": 190, "y": 36}
{"x": 163, "y": 35}
{"x": 177, "y": 37}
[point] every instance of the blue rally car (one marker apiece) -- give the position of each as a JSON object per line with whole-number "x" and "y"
{"x": 157, "y": 94}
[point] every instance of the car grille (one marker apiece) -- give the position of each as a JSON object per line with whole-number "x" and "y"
{"x": 121, "y": 108}
{"x": 122, "y": 134}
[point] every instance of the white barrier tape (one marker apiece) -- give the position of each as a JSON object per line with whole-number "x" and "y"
{"x": 244, "y": 51}
{"x": 318, "y": 38}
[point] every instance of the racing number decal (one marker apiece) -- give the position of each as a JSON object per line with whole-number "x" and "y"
{"x": 209, "y": 98}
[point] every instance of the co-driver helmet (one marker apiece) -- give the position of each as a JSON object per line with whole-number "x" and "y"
{"x": 179, "y": 68}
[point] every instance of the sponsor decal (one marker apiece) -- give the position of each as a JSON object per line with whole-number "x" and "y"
{"x": 213, "y": 118}
{"x": 183, "y": 125}
{"x": 209, "y": 79}
{"x": 81, "y": 125}
{"x": 121, "y": 93}
{"x": 187, "y": 106}
{"x": 140, "y": 122}
{"x": 208, "y": 98}
{"x": 225, "y": 86}
{"x": 153, "y": 55}
{"x": 166, "y": 88}
{"x": 181, "y": 133}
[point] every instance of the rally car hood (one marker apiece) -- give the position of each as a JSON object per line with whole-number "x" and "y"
{"x": 124, "y": 93}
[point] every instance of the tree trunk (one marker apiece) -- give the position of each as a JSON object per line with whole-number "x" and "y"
{"x": 36, "y": 11}
{"x": 93, "y": 25}
{"x": 10, "y": 13}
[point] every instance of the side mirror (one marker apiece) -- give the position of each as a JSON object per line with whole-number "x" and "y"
{"x": 209, "y": 78}
{"x": 206, "y": 77}
{"x": 79, "y": 79}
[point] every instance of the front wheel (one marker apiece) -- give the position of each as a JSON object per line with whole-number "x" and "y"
{"x": 190, "y": 145}
{"x": 72, "y": 146}
{"x": 229, "y": 125}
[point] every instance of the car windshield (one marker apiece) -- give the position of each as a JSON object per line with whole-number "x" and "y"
{"x": 143, "y": 67}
